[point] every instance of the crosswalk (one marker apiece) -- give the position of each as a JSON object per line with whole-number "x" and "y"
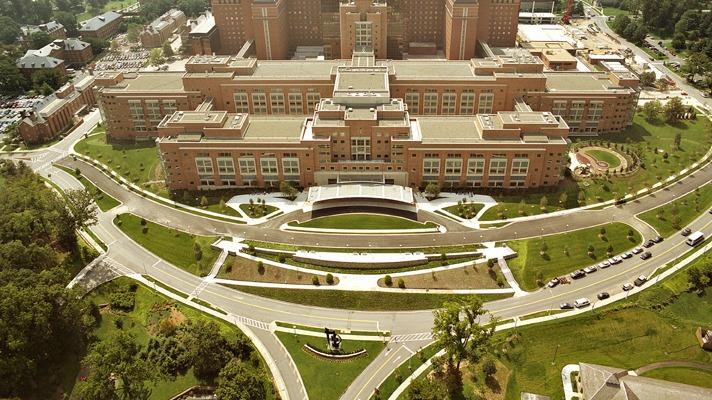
{"x": 412, "y": 337}
{"x": 198, "y": 289}
{"x": 253, "y": 323}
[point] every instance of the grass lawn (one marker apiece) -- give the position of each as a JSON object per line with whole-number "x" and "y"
{"x": 142, "y": 321}
{"x": 687, "y": 208}
{"x": 257, "y": 210}
{"x": 470, "y": 277}
{"x": 427, "y": 250}
{"x": 555, "y": 262}
{"x": 363, "y": 221}
{"x": 370, "y": 301}
{"x": 103, "y": 200}
{"x": 614, "y": 12}
{"x": 690, "y": 376}
{"x": 466, "y": 210}
{"x": 325, "y": 379}
{"x": 242, "y": 269}
{"x": 643, "y": 135}
{"x": 174, "y": 246}
{"x": 139, "y": 164}
{"x": 605, "y": 156}
{"x": 112, "y": 5}
{"x": 629, "y": 334}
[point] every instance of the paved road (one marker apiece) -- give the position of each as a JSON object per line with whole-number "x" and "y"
{"x": 256, "y": 312}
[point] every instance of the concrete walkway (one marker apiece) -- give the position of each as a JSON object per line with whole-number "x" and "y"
{"x": 510, "y": 277}
{"x": 566, "y": 372}
{"x": 673, "y": 364}
{"x": 274, "y": 199}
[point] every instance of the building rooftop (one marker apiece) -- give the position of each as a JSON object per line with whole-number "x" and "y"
{"x": 98, "y": 22}
{"x": 203, "y": 24}
{"x": 432, "y": 70}
{"x": 149, "y": 82}
{"x": 274, "y": 129}
{"x": 33, "y": 60}
{"x": 578, "y": 82}
{"x": 543, "y": 33}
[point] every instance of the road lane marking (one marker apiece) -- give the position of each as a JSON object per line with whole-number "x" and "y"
{"x": 383, "y": 365}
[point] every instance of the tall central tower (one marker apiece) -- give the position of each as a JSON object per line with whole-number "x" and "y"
{"x": 364, "y": 27}
{"x": 461, "y": 26}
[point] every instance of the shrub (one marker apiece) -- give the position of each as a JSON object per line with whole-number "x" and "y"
{"x": 490, "y": 263}
{"x": 143, "y": 222}
{"x": 251, "y": 249}
{"x": 144, "y": 229}
{"x": 388, "y": 280}
{"x": 315, "y": 280}
{"x": 329, "y": 279}
{"x": 282, "y": 258}
{"x": 122, "y": 299}
{"x": 401, "y": 283}
{"x": 260, "y": 268}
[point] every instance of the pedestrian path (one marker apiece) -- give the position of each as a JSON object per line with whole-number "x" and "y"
{"x": 566, "y": 372}
{"x": 412, "y": 337}
{"x": 504, "y": 267}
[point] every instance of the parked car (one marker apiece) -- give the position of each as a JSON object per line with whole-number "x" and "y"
{"x": 639, "y": 281}
{"x": 554, "y": 282}
{"x": 710, "y": 210}
{"x": 686, "y": 232}
{"x": 658, "y": 239}
{"x": 607, "y": 263}
{"x": 627, "y": 287}
{"x": 565, "y": 306}
{"x": 646, "y": 255}
{"x": 615, "y": 260}
{"x": 603, "y": 295}
{"x": 627, "y": 254}
{"x": 582, "y": 302}
{"x": 648, "y": 243}
{"x": 578, "y": 274}
{"x": 637, "y": 250}
{"x": 602, "y": 265}
{"x": 590, "y": 269}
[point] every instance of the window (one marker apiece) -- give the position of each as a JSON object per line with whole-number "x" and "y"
{"x": 269, "y": 169}
{"x": 312, "y": 100}
{"x": 204, "y": 166}
{"x": 295, "y": 103}
{"x": 467, "y": 102}
{"x": 226, "y": 165}
{"x": 290, "y": 168}
{"x": 431, "y": 168}
{"x": 412, "y": 99}
{"x": 259, "y": 103}
{"x": 449, "y": 102}
{"x": 364, "y": 34}
{"x": 430, "y": 102}
{"x": 247, "y": 166}
{"x": 595, "y": 111}
{"x": 475, "y": 170}
{"x": 576, "y": 114}
{"x": 453, "y": 166}
{"x": 136, "y": 114}
{"x": 486, "y": 102}
{"x": 498, "y": 166}
{"x": 360, "y": 148}
{"x": 559, "y": 108}
{"x": 169, "y": 107}
{"x": 242, "y": 104}
{"x": 153, "y": 111}
{"x": 277, "y": 102}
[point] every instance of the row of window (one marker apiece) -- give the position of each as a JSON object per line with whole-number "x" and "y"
{"x": 577, "y": 110}
{"x": 448, "y": 102}
{"x": 475, "y": 167}
{"x": 247, "y": 167}
{"x": 258, "y": 104}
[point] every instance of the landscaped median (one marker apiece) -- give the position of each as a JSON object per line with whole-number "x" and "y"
{"x": 362, "y": 222}
{"x": 244, "y": 269}
{"x": 672, "y": 217}
{"x": 542, "y": 258}
{"x": 103, "y": 200}
{"x": 191, "y": 253}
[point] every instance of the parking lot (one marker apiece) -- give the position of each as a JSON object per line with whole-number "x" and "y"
{"x": 11, "y": 111}
{"x": 125, "y": 58}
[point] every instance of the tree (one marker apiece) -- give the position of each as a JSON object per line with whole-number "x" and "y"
{"x": 543, "y": 203}
{"x": 133, "y": 32}
{"x": 652, "y": 110}
{"x": 39, "y": 39}
{"x": 9, "y": 30}
{"x": 155, "y": 56}
{"x": 698, "y": 63}
{"x": 97, "y": 45}
{"x": 489, "y": 367}
{"x": 82, "y": 209}
{"x": 288, "y": 190}
{"x": 11, "y": 79}
{"x": 112, "y": 361}
{"x": 563, "y": 198}
{"x": 192, "y": 8}
{"x": 432, "y": 190}
{"x": 167, "y": 50}
{"x": 674, "y": 110}
{"x": 577, "y": 9}
{"x": 51, "y": 77}
{"x": 427, "y": 389}
{"x": 237, "y": 382}
{"x": 207, "y": 350}
{"x": 647, "y": 78}
{"x": 677, "y": 140}
{"x": 68, "y": 20}
{"x": 458, "y": 331}
{"x": 388, "y": 280}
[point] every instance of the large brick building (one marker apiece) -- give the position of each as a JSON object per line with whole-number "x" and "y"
{"x": 393, "y": 28}
{"x": 102, "y": 26}
{"x": 161, "y": 29}
{"x": 500, "y": 121}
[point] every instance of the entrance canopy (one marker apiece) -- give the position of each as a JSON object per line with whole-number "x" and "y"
{"x": 372, "y": 191}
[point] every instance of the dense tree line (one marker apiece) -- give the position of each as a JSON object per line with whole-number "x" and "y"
{"x": 43, "y": 323}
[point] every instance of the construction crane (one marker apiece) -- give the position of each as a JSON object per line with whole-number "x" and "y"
{"x": 567, "y": 12}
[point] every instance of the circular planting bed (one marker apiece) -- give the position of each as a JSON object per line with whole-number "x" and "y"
{"x": 601, "y": 159}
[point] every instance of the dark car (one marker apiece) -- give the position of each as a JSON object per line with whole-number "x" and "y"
{"x": 648, "y": 243}
{"x": 578, "y": 274}
{"x": 639, "y": 281}
{"x": 646, "y": 255}
{"x": 566, "y": 306}
{"x": 658, "y": 239}
{"x": 686, "y": 232}
{"x": 603, "y": 295}
{"x": 710, "y": 210}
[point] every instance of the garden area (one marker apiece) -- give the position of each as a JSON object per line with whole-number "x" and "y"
{"x": 672, "y": 217}
{"x": 363, "y": 222}
{"x": 465, "y": 209}
{"x": 476, "y": 276}
{"x": 328, "y": 379}
{"x": 243, "y": 269}
{"x": 191, "y": 253}
{"x": 542, "y": 258}
{"x": 663, "y": 150}
{"x": 171, "y": 346}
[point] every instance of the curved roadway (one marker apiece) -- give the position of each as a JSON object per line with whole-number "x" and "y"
{"x": 256, "y": 312}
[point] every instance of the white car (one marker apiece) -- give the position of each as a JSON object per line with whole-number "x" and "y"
{"x": 627, "y": 287}
{"x": 637, "y": 250}
{"x": 627, "y": 254}
{"x": 554, "y": 282}
{"x": 616, "y": 260}
{"x": 602, "y": 265}
{"x": 607, "y": 263}
{"x": 590, "y": 269}
{"x": 582, "y": 302}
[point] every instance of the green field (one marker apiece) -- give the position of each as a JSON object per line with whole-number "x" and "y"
{"x": 555, "y": 262}
{"x": 643, "y": 135}
{"x": 363, "y": 222}
{"x": 614, "y": 12}
{"x": 463, "y": 210}
{"x": 139, "y": 164}
{"x": 141, "y": 323}
{"x": 690, "y": 376}
{"x": 112, "y": 5}
{"x": 679, "y": 213}
{"x": 368, "y": 301}
{"x": 103, "y": 200}
{"x": 174, "y": 246}
{"x": 325, "y": 379}
{"x": 605, "y": 156}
